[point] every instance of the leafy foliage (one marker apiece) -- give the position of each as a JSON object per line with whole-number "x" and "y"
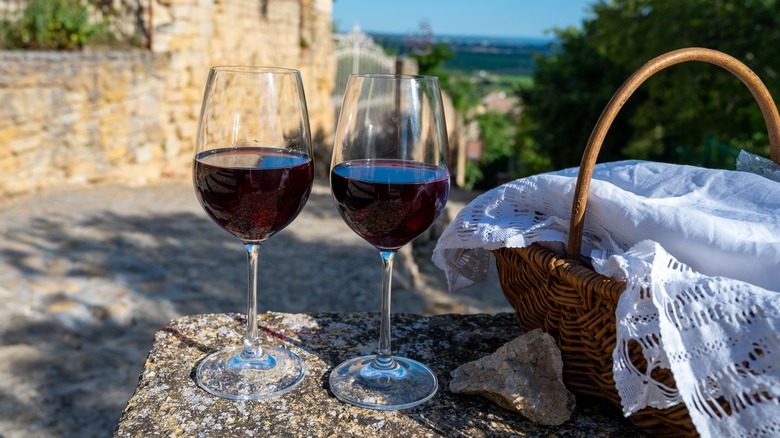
{"x": 673, "y": 114}
{"x": 502, "y": 157}
{"x": 431, "y": 62}
{"x": 51, "y": 25}
{"x": 570, "y": 90}
{"x": 497, "y": 132}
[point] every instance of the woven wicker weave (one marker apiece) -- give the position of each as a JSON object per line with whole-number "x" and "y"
{"x": 576, "y": 305}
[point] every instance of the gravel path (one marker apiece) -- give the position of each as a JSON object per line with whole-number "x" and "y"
{"x": 89, "y": 274}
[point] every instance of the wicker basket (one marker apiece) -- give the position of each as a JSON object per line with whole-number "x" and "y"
{"x": 576, "y": 305}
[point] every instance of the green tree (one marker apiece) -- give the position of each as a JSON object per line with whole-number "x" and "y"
{"x": 569, "y": 91}
{"x": 670, "y": 117}
{"x": 460, "y": 89}
{"x": 497, "y": 133}
{"x": 430, "y": 63}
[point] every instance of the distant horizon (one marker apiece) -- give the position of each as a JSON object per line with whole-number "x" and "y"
{"x": 527, "y": 19}
{"x": 438, "y": 37}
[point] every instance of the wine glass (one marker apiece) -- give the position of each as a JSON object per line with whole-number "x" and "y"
{"x": 390, "y": 181}
{"x": 252, "y": 173}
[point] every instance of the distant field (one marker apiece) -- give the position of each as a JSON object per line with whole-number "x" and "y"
{"x": 483, "y": 85}
{"x": 471, "y": 62}
{"x": 496, "y": 56}
{"x": 512, "y": 81}
{"x": 490, "y": 64}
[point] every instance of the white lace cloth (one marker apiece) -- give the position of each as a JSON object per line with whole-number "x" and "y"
{"x": 704, "y": 243}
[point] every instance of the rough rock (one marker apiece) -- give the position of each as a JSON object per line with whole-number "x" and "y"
{"x": 524, "y": 375}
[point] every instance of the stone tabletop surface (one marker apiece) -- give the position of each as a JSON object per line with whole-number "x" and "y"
{"x": 167, "y": 402}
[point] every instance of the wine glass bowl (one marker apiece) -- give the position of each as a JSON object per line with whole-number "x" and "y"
{"x": 252, "y": 174}
{"x": 389, "y": 202}
{"x": 390, "y": 181}
{"x": 252, "y": 192}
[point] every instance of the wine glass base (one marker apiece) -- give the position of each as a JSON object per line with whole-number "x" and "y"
{"x": 226, "y": 374}
{"x": 358, "y": 382}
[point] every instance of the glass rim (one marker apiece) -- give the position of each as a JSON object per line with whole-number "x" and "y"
{"x": 393, "y": 76}
{"x": 254, "y": 69}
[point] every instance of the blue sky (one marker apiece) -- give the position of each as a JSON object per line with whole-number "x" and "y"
{"x": 506, "y": 18}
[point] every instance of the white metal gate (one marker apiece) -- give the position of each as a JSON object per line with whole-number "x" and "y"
{"x": 356, "y": 52}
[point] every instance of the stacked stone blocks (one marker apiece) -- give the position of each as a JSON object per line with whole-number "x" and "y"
{"x": 130, "y": 116}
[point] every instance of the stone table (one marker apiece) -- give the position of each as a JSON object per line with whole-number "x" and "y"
{"x": 168, "y": 403}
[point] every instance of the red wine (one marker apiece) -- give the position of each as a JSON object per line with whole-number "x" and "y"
{"x": 252, "y": 192}
{"x": 389, "y": 202}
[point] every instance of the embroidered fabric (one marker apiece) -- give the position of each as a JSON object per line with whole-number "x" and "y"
{"x": 718, "y": 336}
{"x": 701, "y": 292}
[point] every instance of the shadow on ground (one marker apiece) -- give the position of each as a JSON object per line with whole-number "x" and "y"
{"x": 88, "y": 284}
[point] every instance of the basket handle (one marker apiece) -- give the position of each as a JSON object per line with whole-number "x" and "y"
{"x": 750, "y": 79}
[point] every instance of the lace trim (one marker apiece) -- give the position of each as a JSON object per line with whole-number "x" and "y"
{"x": 719, "y": 337}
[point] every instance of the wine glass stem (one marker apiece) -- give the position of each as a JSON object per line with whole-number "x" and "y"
{"x": 252, "y": 347}
{"x": 384, "y": 358}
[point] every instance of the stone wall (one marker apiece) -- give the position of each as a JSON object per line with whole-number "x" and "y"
{"x": 80, "y": 117}
{"x": 69, "y": 118}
